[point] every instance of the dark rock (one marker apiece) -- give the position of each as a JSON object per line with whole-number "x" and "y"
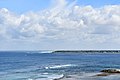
{"x": 108, "y": 72}
{"x": 103, "y": 74}
{"x": 68, "y": 76}
{"x": 111, "y": 71}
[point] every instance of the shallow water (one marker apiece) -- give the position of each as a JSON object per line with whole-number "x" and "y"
{"x": 48, "y": 66}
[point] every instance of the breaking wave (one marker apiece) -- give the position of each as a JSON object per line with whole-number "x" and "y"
{"x": 59, "y": 66}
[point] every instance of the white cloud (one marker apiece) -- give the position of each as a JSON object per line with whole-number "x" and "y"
{"x": 66, "y": 21}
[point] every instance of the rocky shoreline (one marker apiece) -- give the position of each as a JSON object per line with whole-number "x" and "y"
{"x": 108, "y": 72}
{"x": 102, "y": 73}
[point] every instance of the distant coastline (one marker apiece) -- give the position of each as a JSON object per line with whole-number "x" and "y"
{"x": 65, "y": 51}
{"x": 86, "y": 51}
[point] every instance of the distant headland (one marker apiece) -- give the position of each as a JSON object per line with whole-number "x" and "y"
{"x": 86, "y": 51}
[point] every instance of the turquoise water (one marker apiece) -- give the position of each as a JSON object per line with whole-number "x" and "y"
{"x": 48, "y": 66}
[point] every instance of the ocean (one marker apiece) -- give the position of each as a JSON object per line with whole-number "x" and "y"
{"x": 39, "y": 65}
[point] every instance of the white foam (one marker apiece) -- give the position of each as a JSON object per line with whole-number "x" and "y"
{"x": 117, "y": 69}
{"x": 30, "y": 79}
{"x": 59, "y": 66}
{"x": 32, "y": 76}
{"x": 56, "y": 76}
{"x": 50, "y": 77}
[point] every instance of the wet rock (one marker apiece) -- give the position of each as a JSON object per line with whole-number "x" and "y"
{"x": 68, "y": 76}
{"x": 111, "y": 71}
{"x": 108, "y": 72}
{"x": 103, "y": 74}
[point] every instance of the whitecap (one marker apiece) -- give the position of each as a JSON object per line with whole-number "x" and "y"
{"x": 59, "y": 66}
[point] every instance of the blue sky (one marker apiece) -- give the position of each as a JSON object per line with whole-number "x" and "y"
{"x": 21, "y": 6}
{"x": 98, "y": 3}
{"x": 59, "y": 24}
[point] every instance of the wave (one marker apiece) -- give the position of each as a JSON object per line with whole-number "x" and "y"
{"x": 47, "y": 77}
{"x": 31, "y": 76}
{"x": 59, "y": 66}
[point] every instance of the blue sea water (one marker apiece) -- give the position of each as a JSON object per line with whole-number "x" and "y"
{"x": 34, "y": 65}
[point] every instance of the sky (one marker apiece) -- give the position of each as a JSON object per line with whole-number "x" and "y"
{"x": 59, "y": 24}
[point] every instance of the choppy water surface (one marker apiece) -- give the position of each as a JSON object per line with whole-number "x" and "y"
{"x": 48, "y": 66}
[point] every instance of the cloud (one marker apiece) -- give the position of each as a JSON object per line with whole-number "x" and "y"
{"x": 65, "y": 21}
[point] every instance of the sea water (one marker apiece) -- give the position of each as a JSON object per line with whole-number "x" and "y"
{"x": 36, "y": 65}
